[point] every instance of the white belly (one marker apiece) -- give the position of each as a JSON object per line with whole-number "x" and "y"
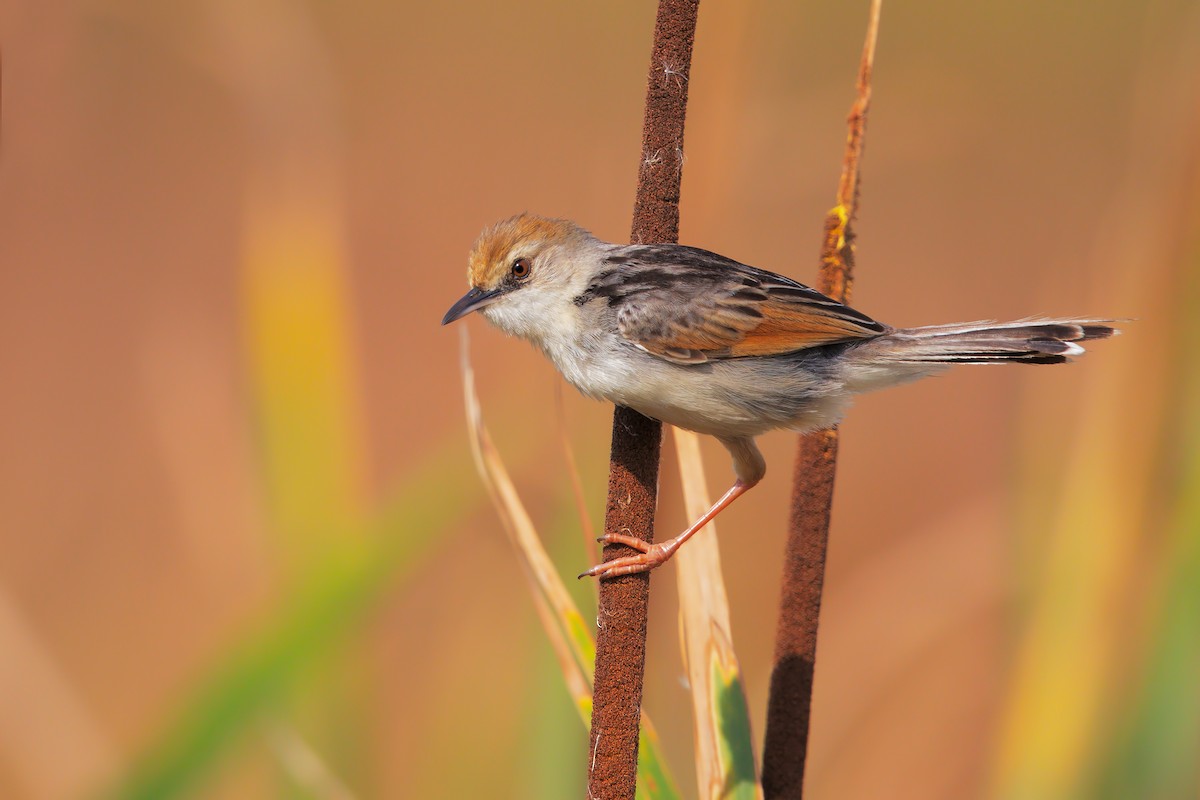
{"x": 730, "y": 397}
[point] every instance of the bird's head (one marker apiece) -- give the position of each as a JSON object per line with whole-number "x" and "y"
{"x": 524, "y": 272}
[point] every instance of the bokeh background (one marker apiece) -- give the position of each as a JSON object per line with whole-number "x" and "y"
{"x": 244, "y": 552}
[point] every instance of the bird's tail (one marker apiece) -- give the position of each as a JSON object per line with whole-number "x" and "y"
{"x": 1050, "y": 341}
{"x": 909, "y": 353}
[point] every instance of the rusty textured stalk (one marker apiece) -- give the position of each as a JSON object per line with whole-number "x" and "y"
{"x": 789, "y": 703}
{"x": 637, "y": 440}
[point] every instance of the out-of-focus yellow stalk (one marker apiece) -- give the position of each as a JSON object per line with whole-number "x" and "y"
{"x": 1066, "y": 655}
{"x": 1087, "y": 589}
{"x": 295, "y": 309}
{"x": 297, "y": 332}
{"x": 296, "y": 318}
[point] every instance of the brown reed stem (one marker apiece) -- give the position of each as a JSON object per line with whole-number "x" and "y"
{"x": 789, "y": 704}
{"x": 637, "y": 440}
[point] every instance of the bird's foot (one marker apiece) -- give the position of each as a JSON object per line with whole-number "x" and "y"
{"x": 651, "y": 556}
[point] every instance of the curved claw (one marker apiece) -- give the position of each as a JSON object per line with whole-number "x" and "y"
{"x": 625, "y": 539}
{"x": 652, "y": 555}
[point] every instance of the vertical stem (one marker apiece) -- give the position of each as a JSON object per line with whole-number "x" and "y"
{"x": 622, "y": 613}
{"x": 637, "y": 440}
{"x": 789, "y": 704}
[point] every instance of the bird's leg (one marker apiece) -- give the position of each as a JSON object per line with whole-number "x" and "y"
{"x": 748, "y": 465}
{"x": 654, "y": 555}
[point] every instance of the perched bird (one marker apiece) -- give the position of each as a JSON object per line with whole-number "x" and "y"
{"x": 705, "y": 343}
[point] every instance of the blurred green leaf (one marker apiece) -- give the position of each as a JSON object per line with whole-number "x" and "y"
{"x": 553, "y": 733}
{"x": 654, "y": 781}
{"x": 1155, "y": 759}
{"x": 733, "y": 723}
{"x": 324, "y": 608}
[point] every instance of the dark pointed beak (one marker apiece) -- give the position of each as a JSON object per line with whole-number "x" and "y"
{"x": 471, "y": 301}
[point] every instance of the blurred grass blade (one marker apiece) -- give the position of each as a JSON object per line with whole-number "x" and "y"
{"x": 591, "y": 547}
{"x": 725, "y": 761}
{"x": 1079, "y": 650}
{"x": 295, "y": 292}
{"x": 296, "y": 318}
{"x": 1065, "y": 658}
{"x": 323, "y": 609}
{"x": 299, "y": 349}
{"x": 54, "y": 745}
{"x": 654, "y": 781}
{"x": 547, "y": 587}
{"x": 303, "y": 765}
{"x": 572, "y": 642}
{"x": 1155, "y": 756}
{"x": 1154, "y": 753}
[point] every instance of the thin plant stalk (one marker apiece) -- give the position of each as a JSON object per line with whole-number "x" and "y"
{"x": 789, "y": 703}
{"x": 574, "y": 648}
{"x": 725, "y": 763}
{"x": 636, "y": 440}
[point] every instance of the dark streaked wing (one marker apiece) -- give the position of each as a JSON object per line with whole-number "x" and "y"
{"x": 689, "y": 306}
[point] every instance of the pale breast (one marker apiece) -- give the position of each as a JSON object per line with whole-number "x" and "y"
{"x": 731, "y": 397}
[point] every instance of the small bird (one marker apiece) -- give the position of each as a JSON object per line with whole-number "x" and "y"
{"x": 703, "y": 342}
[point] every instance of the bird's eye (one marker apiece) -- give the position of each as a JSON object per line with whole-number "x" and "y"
{"x": 520, "y": 268}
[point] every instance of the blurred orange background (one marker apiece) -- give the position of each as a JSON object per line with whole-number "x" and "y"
{"x": 243, "y": 549}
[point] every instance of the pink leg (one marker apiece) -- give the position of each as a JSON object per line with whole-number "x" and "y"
{"x": 653, "y": 555}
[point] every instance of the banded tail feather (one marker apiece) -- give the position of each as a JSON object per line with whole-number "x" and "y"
{"x": 1028, "y": 341}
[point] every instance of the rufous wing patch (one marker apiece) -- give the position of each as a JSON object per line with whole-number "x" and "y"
{"x": 686, "y": 334}
{"x": 786, "y": 327}
{"x": 734, "y": 326}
